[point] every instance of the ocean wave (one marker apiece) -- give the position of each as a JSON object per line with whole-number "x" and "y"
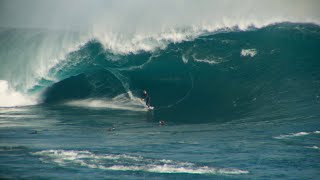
{"x": 40, "y": 45}
{"x": 49, "y": 50}
{"x": 123, "y": 162}
{"x": 196, "y": 44}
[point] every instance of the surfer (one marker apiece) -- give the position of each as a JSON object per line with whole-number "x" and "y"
{"x": 146, "y": 98}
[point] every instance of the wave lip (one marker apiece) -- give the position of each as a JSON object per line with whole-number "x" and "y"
{"x": 125, "y": 162}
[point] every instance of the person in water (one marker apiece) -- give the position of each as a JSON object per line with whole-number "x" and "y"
{"x": 146, "y": 98}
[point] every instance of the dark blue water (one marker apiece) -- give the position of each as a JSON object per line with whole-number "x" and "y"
{"x": 237, "y": 105}
{"x": 68, "y": 143}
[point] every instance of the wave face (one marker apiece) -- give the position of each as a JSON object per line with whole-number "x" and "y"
{"x": 215, "y": 76}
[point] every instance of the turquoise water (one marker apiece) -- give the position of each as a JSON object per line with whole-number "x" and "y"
{"x": 237, "y": 105}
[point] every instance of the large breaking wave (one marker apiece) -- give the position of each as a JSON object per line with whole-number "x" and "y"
{"x": 203, "y": 74}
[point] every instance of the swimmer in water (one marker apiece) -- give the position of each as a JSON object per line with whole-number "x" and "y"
{"x": 162, "y": 123}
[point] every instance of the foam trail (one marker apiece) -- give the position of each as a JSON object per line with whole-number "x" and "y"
{"x": 125, "y": 162}
{"x": 120, "y": 102}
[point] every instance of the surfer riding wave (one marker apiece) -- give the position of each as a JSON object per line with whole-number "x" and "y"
{"x": 146, "y": 98}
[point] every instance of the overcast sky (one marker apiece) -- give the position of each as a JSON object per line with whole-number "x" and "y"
{"x": 148, "y": 15}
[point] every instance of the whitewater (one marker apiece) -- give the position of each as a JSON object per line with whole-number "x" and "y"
{"x": 237, "y": 85}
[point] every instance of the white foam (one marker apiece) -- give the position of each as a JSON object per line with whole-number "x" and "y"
{"x": 125, "y": 162}
{"x": 10, "y": 98}
{"x": 295, "y": 135}
{"x": 248, "y": 52}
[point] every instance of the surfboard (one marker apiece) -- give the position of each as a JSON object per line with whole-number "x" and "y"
{"x": 150, "y": 108}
